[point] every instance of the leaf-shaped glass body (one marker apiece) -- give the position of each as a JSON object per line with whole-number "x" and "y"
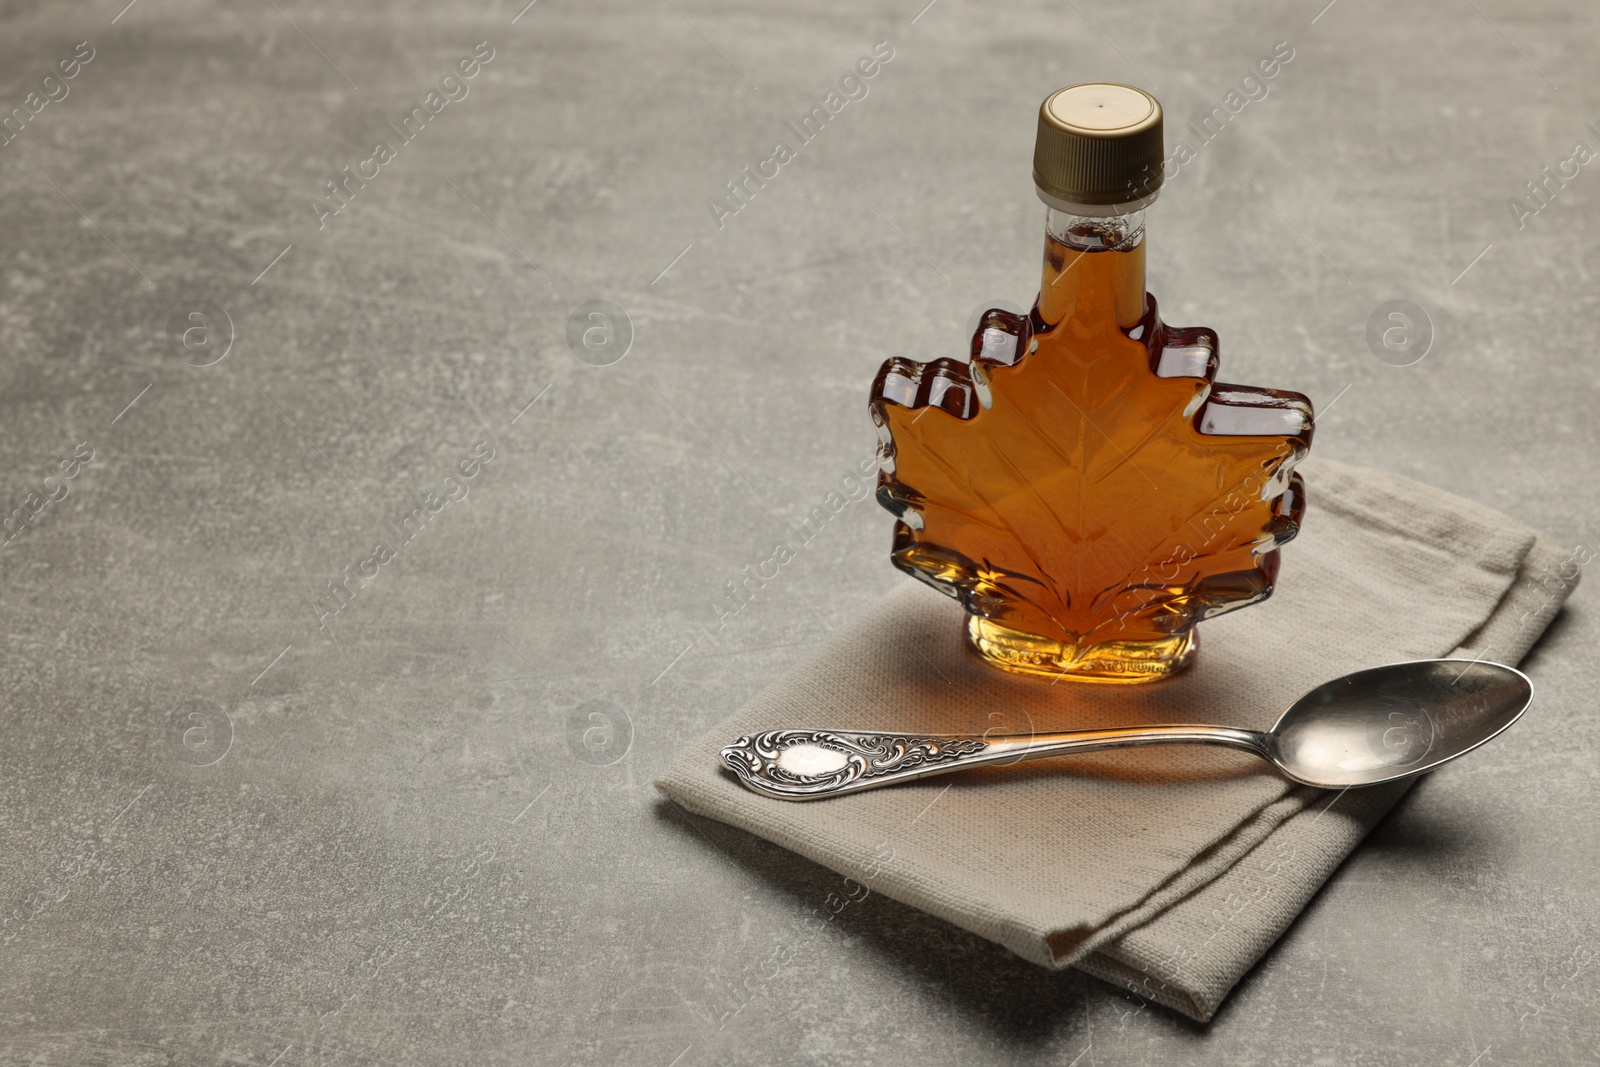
{"x": 1083, "y": 486}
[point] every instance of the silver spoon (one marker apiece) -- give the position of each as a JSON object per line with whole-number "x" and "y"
{"x": 1372, "y": 726}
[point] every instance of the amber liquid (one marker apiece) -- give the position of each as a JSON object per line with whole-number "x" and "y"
{"x": 1069, "y": 495}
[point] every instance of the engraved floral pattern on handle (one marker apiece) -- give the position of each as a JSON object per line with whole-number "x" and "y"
{"x": 824, "y": 761}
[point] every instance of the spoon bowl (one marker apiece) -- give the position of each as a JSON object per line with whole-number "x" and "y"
{"x": 1395, "y": 721}
{"x": 1372, "y": 726}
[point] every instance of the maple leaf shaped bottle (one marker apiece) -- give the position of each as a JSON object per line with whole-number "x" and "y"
{"x": 1084, "y": 487}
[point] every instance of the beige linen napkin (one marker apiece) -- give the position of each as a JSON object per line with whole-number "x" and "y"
{"x": 1165, "y": 870}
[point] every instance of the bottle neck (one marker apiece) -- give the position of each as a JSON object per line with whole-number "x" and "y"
{"x": 1093, "y": 272}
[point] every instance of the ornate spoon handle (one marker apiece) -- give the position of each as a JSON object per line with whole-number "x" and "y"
{"x": 811, "y": 764}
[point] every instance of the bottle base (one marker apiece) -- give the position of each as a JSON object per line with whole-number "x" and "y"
{"x": 1118, "y": 662}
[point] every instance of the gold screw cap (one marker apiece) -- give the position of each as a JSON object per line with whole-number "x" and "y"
{"x": 1099, "y": 149}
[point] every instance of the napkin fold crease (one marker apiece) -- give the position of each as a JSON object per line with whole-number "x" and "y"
{"x": 1167, "y": 871}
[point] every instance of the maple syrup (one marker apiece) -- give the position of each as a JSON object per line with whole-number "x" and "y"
{"x": 1083, "y": 486}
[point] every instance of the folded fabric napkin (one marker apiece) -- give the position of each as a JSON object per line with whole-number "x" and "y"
{"x": 1168, "y": 870}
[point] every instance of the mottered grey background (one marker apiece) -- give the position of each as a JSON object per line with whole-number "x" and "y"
{"x": 536, "y": 389}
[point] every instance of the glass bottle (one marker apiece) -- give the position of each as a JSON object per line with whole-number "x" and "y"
{"x": 1083, "y": 486}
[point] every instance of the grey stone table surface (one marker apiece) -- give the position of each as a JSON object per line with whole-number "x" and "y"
{"x": 243, "y": 820}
